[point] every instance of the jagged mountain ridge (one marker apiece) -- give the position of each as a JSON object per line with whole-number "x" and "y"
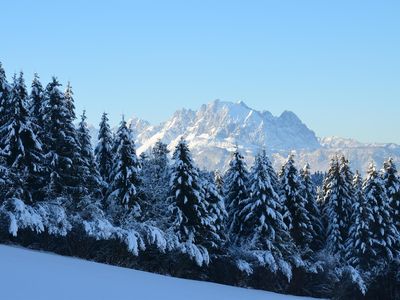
{"x": 216, "y": 128}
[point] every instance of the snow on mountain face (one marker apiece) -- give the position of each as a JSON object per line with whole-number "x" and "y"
{"x": 216, "y": 128}
{"x": 338, "y": 142}
{"x": 213, "y": 131}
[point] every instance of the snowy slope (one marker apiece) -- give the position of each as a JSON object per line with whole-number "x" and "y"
{"x": 30, "y": 275}
{"x": 216, "y": 128}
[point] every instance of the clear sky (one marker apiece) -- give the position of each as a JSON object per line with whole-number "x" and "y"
{"x": 336, "y": 64}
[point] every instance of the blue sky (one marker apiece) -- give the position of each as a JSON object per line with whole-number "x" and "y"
{"x": 336, "y": 64}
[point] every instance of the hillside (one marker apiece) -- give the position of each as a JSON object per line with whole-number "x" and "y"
{"x": 31, "y": 275}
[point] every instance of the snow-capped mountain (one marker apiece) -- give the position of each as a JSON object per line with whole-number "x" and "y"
{"x": 222, "y": 123}
{"x": 215, "y": 129}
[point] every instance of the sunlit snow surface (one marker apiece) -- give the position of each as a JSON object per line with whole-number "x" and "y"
{"x": 31, "y": 275}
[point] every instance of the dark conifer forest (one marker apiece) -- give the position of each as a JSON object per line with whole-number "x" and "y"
{"x": 333, "y": 235}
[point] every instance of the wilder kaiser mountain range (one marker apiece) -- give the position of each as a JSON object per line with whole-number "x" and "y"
{"x": 214, "y": 130}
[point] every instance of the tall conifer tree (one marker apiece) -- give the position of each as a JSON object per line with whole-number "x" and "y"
{"x": 310, "y": 194}
{"x": 5, "y": 91}
{"x": 392, "y": 184}
{"x": 190, "y": 217}
{"x": 90, "y": 180}
{"x": 338, "y": 200}
{"x": 235, "y": 191}
{"x": 22, "y": 149}
{"x": 60, "y": 143}
{"x": 104, "y": 155}
{"x": 359, "y": 246}
{"x": 263, "y": 229}
{"x": 385, "y": 235}
{"x": 298, "y": 218}
{"x": 123, "y": 195}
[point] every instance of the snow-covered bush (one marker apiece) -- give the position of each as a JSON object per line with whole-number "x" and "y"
{"x": 19, "y": 216}
{"x": 54, "y": 216}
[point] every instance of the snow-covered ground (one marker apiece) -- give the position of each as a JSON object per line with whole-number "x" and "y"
{"x": 31, "y": 275}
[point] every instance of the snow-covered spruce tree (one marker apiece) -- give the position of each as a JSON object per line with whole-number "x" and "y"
{"x": 123, "y": 195}
{"x": 216, "y": 210}
{"x": 160, "y": 162}
{"x": 310, "y": 194}
{"x": 338, "y": 200}
{"x": 160, "y": 158}
{"x": 5, "y": 90}
{"x": 104, "y": 155}
{"x": 36, "y": 100}
{"x": 392, "y": 185}
{"x": 22, "y": 149}
{"x": 236, "y": 192}
{"x": 89, "y": 218}
{"x": 155, "y": 177}
{"x": 297, "y": 219}
{"x": 359, "y": 245}
{"x": 385, "y": 235}
{"x": 264, "y": 233}
{"x": 36, "y": 106}
{"x": 190, "y": 218}
{"x": 60, "y": 143}
{"x": 90, "y": 180}
{"x": 187, "y": 195}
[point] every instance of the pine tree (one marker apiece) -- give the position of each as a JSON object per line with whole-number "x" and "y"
{"x": 338, "y": 200}
{"x": 104, "y": 156}
{"x": 263, "y": 227}
{"x": 189, "y": 208}
{"x": 156, "y": 184}
{"x": 36, "y": 100}
{"x": 123, "y": 195}
{"x": 392, "y": 185}
{"x": 22, "y": 149}
{"x": 298, "y": 219}
{"x": 385, "y": 236}
{"x": 4, "y": 86}
{"x": 236, "y": 191}
{"x": 60, "y": 143}
{"x": 90, "y": 177}
{"x": 359, "y": 246}
{"x": 160, "y": 158}
{"x": 217, "y": 213}
{"x": 310, "y": 194}
{"x": 5, "y": 91}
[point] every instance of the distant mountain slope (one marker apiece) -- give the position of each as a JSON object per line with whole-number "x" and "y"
{"x": 225, "y": 123}
{"x": 216, "y": 128}
{"x": 32, "y": 275}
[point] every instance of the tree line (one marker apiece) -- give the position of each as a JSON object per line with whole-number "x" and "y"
{"x": 252, "y": 227}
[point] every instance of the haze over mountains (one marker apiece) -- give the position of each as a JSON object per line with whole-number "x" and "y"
{"x": 216, "y": 128}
